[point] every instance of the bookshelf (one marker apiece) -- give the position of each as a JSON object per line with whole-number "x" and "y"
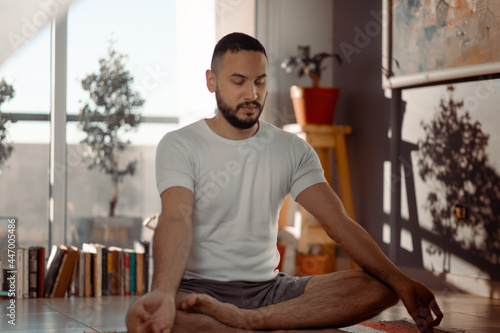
{"x": 92, "y": 270}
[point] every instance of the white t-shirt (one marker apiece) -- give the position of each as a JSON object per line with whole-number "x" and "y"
{"x": 239, "y": 187}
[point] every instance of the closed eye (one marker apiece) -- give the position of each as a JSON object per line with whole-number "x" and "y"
{"x": 238, "y": 82}
{"x": 261, "y": 81}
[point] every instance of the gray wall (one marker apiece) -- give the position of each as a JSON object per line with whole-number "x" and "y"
{"x": 325, "y": 25}
{"x": 451, "y": 259}
{"x": 363, "y": 106}
{"x": 281, "y": 26}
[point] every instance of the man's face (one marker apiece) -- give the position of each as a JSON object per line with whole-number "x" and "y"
{"x": 241, "y": 87}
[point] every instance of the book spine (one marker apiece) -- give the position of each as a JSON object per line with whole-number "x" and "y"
{"x": 98, "y": 273}
{"x": 80, "y": 277}
{"x": 110, "y": 273}
{"x": 133, "y": 275}
{"x": 127, "y": 273}
{"x": 116, "y": 278}
{"x": 26, "y": 274}
{"x": 61, "y": 255}
{"x": 93, "y": 260}
{"x": 146, "y": 266}
{"x": 72, "y": 272}
{"x": 41, "y": 272}
{"x": 104, "y": 272}
{"x": 87, "y": 275}
{"x": 121, "y": 258}
{"x": 54, "y": 257}
{"x": 54, "y": 291}
{"x": 76, "y": 288}
{"x": 139, "y": 273}
{"x": 5, "y": 268}
{"x": 33, "y": 272}
{"x": 20, "y": 273}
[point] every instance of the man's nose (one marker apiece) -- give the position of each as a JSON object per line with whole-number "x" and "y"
{"x": 250, "y": 92}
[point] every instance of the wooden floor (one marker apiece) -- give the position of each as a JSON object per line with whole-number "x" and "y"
{"x": 78, "y": 315}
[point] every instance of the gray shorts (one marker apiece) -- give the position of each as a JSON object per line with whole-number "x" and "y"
{"x": 249, "y": 295}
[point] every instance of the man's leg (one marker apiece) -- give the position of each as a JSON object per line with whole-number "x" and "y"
{"x": 331, "y": 300}
{"x": 186, "y": 322}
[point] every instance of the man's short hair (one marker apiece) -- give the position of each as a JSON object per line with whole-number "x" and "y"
{"x": 234, "y": 42}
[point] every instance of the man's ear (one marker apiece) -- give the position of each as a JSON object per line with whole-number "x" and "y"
{"x": 211, "y": 80}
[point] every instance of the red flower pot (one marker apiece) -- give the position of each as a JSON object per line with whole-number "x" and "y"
{"x": 314, "y": 105}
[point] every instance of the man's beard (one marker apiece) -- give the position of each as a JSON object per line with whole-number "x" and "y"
{"x": 230, "y": 114}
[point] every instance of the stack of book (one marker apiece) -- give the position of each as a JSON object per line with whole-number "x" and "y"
{"x": 93, "y": 270}
{"x": 112, "y": 270}
{"x": 23, "y": 271}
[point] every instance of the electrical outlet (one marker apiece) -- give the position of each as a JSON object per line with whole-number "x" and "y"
{"x": 462, "y": 212}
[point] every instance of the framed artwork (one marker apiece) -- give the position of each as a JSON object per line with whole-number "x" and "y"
{"x": 429, "y": 41}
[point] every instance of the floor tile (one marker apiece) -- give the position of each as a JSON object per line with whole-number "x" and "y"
{"x": 78, "y": 314}
{"x": 54, "y": 330}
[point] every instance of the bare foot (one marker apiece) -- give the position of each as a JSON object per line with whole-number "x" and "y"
{"x": 226, "y": 313}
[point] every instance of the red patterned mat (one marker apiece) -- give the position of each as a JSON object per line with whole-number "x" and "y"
{"x": 399, "y": 326}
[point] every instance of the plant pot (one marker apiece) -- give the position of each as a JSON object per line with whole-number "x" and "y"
{"x": 310, "y": 264}
{"x": 314, "y": 105}
{"x": 120, "y": 231}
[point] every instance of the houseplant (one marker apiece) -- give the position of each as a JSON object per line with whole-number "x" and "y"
{"x": 107, "y": 116}
{"x": 6, "y": 93}
{"x": 110, "y": 112}
{"x": 313, "y": 105}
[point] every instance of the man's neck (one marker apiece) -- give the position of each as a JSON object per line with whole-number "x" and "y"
{"x": 222, "y": 127}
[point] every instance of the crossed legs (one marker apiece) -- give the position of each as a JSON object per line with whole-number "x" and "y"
{"x": 331, "y": 300}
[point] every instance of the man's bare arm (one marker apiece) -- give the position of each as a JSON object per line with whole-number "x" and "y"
{"x": 155, "y": 311}
{"x": 172, "y": 239}
{"x": 322, "y": 202}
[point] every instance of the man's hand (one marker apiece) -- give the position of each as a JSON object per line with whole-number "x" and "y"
{"x": 154, "y": 312}
{"x": 420, "y": 303}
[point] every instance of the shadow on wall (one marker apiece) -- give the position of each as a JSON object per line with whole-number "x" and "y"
{"x": 452, "y": 157}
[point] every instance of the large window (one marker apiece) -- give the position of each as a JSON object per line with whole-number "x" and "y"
{"x": 147, "y": 33}
{"x": 24, "y": 177}
{"x": 168, "y": 44}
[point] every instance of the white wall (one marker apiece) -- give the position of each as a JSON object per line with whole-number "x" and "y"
{"x": 234, "y": 16}
{"x": 21, "y": 20}
{"x": 195, "y": 41}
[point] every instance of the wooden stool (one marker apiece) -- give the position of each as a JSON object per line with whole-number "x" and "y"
{"x": 323, "y": 138}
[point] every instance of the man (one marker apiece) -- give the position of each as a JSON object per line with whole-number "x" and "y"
{"x": 222, "y": 182}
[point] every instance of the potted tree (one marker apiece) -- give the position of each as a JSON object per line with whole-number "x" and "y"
{"x": 6, "y": 93}
{"x": 110, "y": 112}
{"x": 312, "y": 105}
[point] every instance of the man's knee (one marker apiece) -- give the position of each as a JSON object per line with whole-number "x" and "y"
{"x": 357, "y": 279}
{"x": 389, "y": 296}
{"x": 381, "y": 291}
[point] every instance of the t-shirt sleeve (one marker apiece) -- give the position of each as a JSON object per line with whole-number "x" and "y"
{"x": 174, "y": 165}
{"x": 308, "y": 170}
